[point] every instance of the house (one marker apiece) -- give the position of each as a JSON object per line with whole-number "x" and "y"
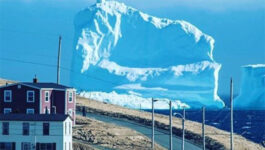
{"x": 37, "y": 98}
{"x": 35, "y": 132}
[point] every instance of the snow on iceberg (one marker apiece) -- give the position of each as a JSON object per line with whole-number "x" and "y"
{"x": 252, "y": 92}
{"x": 132, "y": 100}
{"x": 119, "y": 48}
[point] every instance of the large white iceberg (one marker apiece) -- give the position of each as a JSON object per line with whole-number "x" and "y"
{"x": 121, "y": 49}
{"x": 252, "y": 92}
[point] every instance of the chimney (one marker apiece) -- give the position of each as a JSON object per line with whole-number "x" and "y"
{"x": 6, "y": 83}
{"x": 35, "y": 79}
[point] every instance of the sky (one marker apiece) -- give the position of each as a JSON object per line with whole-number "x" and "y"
{"x": 29, "y": 31}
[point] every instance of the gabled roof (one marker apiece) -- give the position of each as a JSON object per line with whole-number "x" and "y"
{"x": 33, "y": 117}
{"x": 46, "y": 85}
{"x": 40, "y": 85}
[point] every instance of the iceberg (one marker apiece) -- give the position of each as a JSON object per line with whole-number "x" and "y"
{"x": 133, "y": 100}
{"x": 120, "y": 50}
{"x": 252, "y": 91}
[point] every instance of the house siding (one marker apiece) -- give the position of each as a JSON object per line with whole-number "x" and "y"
{"x": 19, "y": 102}
{"x": 46, "y": 104}
{"x": 71, "y": 105}
{"x": 57, "y": 133}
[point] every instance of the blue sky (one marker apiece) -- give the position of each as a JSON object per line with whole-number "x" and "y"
{"x": 29, "y": 31}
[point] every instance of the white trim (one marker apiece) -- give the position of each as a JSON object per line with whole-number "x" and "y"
{"x": 28, "y": 91}
{"x": 65, "y": 102}
{"x": 46, "y": 96}
{"x": 7, "y": 109}
{"x": 40, "y": 102}
{"x": 5, "y": 91}
{"x": 44, "y": 111}
{"x": 30, "y": 109}
{"x": 70, "y": 112}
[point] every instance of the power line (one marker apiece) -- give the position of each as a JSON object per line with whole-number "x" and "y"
{"x": 64, "y": 68}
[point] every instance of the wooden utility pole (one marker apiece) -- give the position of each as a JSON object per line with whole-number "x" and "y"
{"x": 231, "y": 113}
{"x": 203, "y": 127}
{"x": 58, "y": 60}
{"x": 170, "y": 123}
{"x": 153, "y": 125}
{"x": 183, "y": 130}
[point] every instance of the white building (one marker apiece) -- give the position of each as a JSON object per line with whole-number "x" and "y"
{"x": 40, "y": 131}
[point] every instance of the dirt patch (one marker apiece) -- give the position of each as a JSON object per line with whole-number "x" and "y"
{"x": 216, "y": 139}
{"x": 110, "y": 136}
{"x": 81, "y": 146}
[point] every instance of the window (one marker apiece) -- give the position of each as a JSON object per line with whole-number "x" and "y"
{"x": 25, "y": 128}
{"x": 46, "y": 146}
{"x": 65, "y": 146}
{"x": 5, "y": 128}
{"x": 7, "y": 146}
{"x": 19, "y": 86}
{"x": 70, "y": 147}
{"x": 7, "y": 110}
{"x": 26, "y": 146}
{"x": 47, "y": 97}
{"x": 30, "y": 96}
{"x": 7, "y": 96}
{"x": 70, "y": 97}
{"x": 46, "y": 128}
{"x": 30, "y": 111}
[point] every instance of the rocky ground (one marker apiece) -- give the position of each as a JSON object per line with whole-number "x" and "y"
{"x": 110, "y": 136}
{"x": 215, "y": 138}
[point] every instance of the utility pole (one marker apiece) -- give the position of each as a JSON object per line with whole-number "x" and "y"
{"x": 58, "y": 60}
{"x": 203, "y": 127}
{"x": 153, "y": 124}
{"x": 170, "y": 123}
{"x": 231, "y": 112}
{"x": 183, "y": 129}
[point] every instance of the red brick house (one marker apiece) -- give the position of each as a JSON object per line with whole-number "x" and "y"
{"x": 37, "y": 98}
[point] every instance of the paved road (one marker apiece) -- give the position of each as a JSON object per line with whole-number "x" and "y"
{"x": 161, "y": 136}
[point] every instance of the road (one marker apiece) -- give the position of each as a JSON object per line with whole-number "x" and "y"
{"x": 161, "y": 136}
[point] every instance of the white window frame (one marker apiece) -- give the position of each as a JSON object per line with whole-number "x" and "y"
{"x": 28, "y": 96}
{"x": 5, "y": 92}
{"x": 72, "y": 95}
{"x": 7, "y": 109}
{"x": 46, "y": 96}
{"x": 30, "y": 109}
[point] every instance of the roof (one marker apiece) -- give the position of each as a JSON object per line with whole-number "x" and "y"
{"x": 46, "y": 85}
{"x": 33, "y": 117}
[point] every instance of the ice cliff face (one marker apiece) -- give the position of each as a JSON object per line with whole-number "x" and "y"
{"x": 252, "y": 92}
{"x": 122, "y": 50}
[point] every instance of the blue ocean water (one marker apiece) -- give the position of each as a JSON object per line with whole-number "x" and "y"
{"x": 248, "y": 123}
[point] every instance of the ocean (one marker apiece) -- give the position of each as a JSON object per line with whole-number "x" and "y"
{"x": 248, "y": 123}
